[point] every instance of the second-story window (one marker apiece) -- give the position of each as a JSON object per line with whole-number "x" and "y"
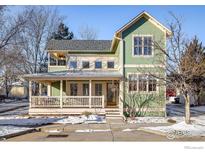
{"x": 61, "y": 62}
{"x": 142, "y": 45}
{"x": 53, "y": 61}
{"x": 86, "y": 64}
{"x": 73, "y": 64}
{"x": 98, "y": 64}
{"x": 110, "y": 64}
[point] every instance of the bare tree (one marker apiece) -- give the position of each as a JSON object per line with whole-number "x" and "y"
{"x": 87, "y": 33}
{"x": 10, "y": 27}
{"x": 184, "y": 64}
{"x": 39, "y": 28}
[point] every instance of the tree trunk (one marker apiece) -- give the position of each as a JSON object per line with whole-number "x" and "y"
{"x": 187, "y": 109}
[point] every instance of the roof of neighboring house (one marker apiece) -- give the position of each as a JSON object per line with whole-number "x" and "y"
{"x": 75, "y": 74}
{"x": 79, "y": 45}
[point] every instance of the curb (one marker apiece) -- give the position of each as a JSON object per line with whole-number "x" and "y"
{"x": 18, "y": 134}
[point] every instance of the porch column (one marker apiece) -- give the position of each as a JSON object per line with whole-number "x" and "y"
{"x": 40, "y": 89}
{"x": 49, "y": 90}
{"x": 90, "y": 90}
{"x": 61, "y": 93}
{"x": 30, "y": 92}
{"x": 121, "y": 96}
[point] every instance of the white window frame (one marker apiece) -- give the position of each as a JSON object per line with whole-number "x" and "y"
{"x": 147, "y": 85}
{"x": 136, "y": 35}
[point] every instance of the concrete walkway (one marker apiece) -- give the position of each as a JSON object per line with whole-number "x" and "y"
{"x": 111, "y": 131}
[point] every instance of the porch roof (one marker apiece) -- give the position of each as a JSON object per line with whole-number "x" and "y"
{"x": 75, "y": 74}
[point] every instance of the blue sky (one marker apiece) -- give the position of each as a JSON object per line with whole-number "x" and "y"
{"x": 107, "y": 19}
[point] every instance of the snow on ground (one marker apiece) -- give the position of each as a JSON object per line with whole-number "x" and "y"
{"x": 38, "y": 121}
{"x": 154, "y": 119}
{"x": 92, "y": 130}
{"x": 82, "y": 119}
{"x": 8, "y": 130}
{"x": 180, "y": 129}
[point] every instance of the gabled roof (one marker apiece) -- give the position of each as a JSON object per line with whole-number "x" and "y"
{"x": 149, "y": 17}
{"x": 79, "y": 45}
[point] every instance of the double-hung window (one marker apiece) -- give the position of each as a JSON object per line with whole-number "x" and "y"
{"x": 142, "y": 83}
{"x": 98, "y": 89}
{"x": 133, "y": 82}
{"x": 86, "y": 64}
{"x": 110, "y": 64}
{"x": 98, "y": 64}
{"x": 142, "y": 45}
{"x": 85, "y": 89}
{"x": 152, "y": 84}
{"x": 73, "y": 64}
{"x": 73, "y": 89}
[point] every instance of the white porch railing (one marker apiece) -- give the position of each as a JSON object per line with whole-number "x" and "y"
{"x": 67, "y": 102}
{"x": 45, "y": 101}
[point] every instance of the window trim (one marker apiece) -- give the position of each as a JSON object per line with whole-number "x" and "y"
{"x": 113, "y": 63}
{"x": 147, "y": 85}
{"x": 137, "y": 35}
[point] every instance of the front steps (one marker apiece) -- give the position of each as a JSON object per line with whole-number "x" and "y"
{"x": 113, "y": 113}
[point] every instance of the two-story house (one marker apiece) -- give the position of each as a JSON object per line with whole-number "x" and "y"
{"x": 93, "y": 75}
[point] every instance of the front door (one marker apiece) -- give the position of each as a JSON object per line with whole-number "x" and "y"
{"x": 112, "y": 92}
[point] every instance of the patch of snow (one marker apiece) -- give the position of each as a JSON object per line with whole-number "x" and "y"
{"x": 8, "y": 130}
{"x": 180, "y": 129}
{"x": 128, "y": 130}
{"x": 82, "y": 119}
{"x": 27, "y": 122}
{"x": 154, "y": 119}
{"x": 92, "y": 130}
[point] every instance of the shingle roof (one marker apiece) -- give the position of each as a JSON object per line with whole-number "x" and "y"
{"x": 89, "y": 45}
{"x": 75, "y": 74}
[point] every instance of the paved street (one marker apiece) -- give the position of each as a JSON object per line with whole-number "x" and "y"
{"x": 178, "y": 110}
{"x": 13, "y": 107}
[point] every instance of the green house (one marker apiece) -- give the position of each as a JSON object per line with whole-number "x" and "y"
{"x": 96, "y": 75}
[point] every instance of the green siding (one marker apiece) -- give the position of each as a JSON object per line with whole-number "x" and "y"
{"x": 56, "y": 88}
{"x": 142, "y": 27}
{"x": 145, "y": 27}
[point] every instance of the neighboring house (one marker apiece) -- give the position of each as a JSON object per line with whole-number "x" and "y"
{"x": 93, "y": 75}
{"x": 16, "y": 90}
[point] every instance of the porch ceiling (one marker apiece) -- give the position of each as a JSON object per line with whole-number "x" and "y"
{"x": 76, "y": 74}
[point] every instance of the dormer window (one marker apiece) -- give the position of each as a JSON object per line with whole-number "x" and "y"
{"x": 86, "y": 64}
{"x": 142, "y": 45}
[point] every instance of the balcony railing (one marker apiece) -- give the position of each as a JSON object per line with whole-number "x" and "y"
{"x": 67, "y": 102}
